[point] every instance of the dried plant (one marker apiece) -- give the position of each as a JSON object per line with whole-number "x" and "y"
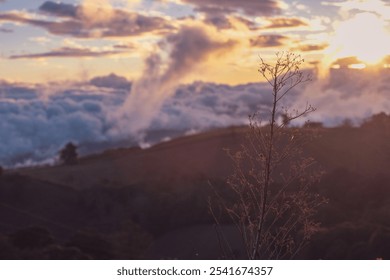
{"x": 272, "y": 204}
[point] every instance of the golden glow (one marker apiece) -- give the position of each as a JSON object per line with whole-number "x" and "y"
{"x": 357, "y": 66}
{"x": 363, "y": 36}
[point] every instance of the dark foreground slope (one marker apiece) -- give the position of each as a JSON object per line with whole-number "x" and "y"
{"x": 153, "y": 203}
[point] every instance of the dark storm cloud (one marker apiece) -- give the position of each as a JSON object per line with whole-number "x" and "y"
{"x": 285, "y": 23}
{"x": 66, "y": 52}
{"x": 248, "y": 7}
{"x": 74, "y": 23}
{"x": 265, "y": 41}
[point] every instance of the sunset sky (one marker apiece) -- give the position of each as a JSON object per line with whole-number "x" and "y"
{"x": 108, "y": 72}
{"x": 74, "y": 40}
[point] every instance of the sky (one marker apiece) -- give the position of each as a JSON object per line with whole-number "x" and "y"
{"x": 72, "y": 40}
{"x": 109, "y": 73}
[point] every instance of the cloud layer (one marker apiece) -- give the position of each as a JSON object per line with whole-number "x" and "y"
{"x": 34, "y": 125}
{"x": 348, "y": 94}
{"x": 35, "y": 122}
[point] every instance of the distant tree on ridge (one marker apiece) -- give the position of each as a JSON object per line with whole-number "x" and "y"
{"x": 68, "y": 155}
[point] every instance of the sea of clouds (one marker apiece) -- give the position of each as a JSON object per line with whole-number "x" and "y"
{"x": 36, "y": 121}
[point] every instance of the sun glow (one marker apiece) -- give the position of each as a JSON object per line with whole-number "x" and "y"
{"x": 363, "y": 36}
{"x": 357, "y": 66}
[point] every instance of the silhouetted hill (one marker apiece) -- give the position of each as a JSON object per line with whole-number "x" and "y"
{"x": 363, "y": 150}
{"x": 146, "y": 198}
{"x": 186, "y": 158}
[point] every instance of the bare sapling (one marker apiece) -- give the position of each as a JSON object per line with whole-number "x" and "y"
{"x": 271, "y": 200}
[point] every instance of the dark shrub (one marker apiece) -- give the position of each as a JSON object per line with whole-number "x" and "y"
{"x": 68, "y": 155}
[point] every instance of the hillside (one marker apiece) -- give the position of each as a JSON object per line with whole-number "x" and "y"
{"x": 149, "y": 198}
{"x": 362, "y": 150}
{"x": 186, "y": 158}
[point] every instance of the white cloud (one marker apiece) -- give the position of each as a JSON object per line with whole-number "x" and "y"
{"x": 34, "y": 128}
{"x": 203, "y": 105}
{"x": 348, "y": 93}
